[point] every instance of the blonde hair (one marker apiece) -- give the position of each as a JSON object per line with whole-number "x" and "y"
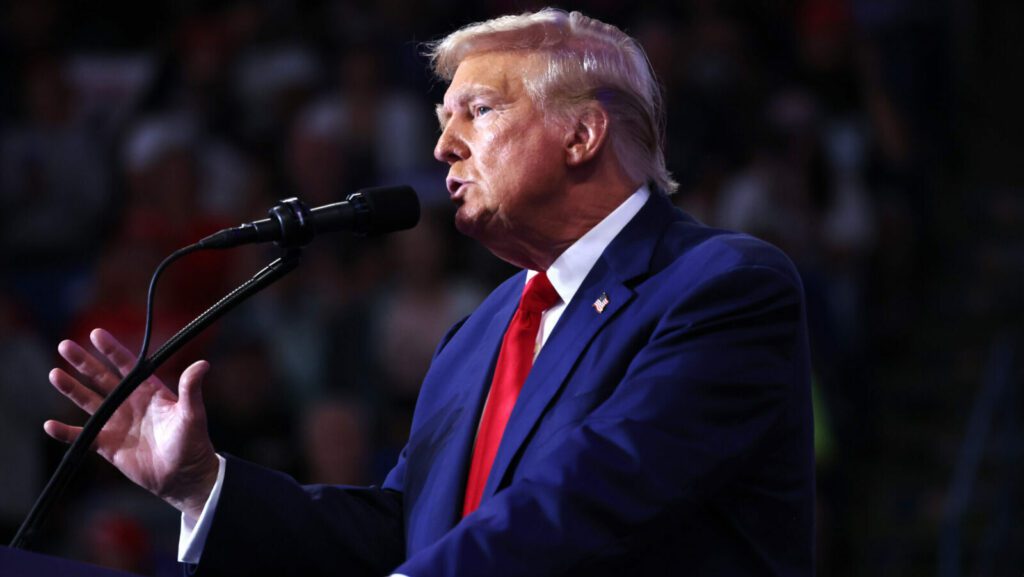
{"x": 588, "y": 61}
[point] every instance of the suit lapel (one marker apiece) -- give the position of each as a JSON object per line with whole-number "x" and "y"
{"x": 627, "y": 257}
{"x": 477, "y": 368}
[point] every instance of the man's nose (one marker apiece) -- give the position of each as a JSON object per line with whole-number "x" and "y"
{"x": 450, "y": 146}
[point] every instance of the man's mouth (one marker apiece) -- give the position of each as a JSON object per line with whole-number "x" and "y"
{"x": 455, "y": 186}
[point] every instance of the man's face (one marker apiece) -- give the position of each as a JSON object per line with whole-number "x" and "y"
{"x": 506, "y": 159}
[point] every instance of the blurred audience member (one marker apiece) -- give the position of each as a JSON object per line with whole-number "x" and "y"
{"x": 247, "y": 408}
{"x": 23, "y": 401}
{"x": 336, "y": 441}
{"x": 424, "y": 300}
{"x": 119, "y": 542}
{"x": 54, "y": 188}
{"x": 54, "y": 195}
{"x": 320, "y": 170}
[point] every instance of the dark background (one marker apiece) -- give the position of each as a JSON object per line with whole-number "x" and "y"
{"x": 878, "y": 142}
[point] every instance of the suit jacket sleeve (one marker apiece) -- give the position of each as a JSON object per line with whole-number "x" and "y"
{"x": 711, "y": 389}
{"x": 266, "y": 523}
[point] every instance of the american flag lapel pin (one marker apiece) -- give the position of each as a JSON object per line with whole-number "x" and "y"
{"x": 601, "y": 302}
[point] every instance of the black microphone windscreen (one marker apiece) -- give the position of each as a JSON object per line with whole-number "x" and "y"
{"x": 391, "y": 208}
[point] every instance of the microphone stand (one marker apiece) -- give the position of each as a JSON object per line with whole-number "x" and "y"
{"x": 76, "y": 453}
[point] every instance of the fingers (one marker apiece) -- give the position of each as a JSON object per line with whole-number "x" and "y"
{"x": 98, "y": 373}
{"x": 115, "y": 352}
{"x": 190, "y": 394}
{"x": 61, "y": 432}
{"x": 86, "y": 399}
{"x": 101, "y": 377}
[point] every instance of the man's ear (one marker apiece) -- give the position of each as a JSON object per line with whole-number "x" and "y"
{"x": 587, "y": 135}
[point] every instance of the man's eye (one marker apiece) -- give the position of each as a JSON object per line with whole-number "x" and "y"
{"x": 480, "y": 110}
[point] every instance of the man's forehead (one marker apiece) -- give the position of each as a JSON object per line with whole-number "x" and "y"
{"x": 489, "y": 74}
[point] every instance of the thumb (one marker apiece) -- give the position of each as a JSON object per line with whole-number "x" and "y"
{"x": 190, "y": 393}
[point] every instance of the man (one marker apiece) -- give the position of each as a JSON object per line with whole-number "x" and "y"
{"x": 644, "y": 409}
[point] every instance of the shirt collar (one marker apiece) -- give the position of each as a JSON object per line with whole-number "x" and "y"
{"x": 572, "y": 266}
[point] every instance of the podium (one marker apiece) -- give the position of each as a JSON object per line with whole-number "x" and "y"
{"x": 18, "y": 563}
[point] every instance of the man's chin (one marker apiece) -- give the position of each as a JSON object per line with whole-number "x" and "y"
{"x": 470, "y": 225}
{"x": 493, "y": 239}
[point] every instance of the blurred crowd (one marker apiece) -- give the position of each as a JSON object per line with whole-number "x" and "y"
{"x": 128, "y": 130}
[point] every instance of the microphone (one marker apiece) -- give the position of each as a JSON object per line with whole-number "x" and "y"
{"x": 292, "y": 224}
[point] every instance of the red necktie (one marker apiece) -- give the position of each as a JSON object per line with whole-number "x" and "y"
{"x": 514, "y": 362}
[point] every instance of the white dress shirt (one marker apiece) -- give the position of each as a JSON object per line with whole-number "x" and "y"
{"x": 566, "y": 275}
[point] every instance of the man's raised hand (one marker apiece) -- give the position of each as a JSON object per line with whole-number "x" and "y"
{"x": 155, "y": 438}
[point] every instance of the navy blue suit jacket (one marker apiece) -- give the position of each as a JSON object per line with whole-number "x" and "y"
{"x": 669, "y": 433}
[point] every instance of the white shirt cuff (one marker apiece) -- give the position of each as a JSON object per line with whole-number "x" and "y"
{"x": 193, "y": 534}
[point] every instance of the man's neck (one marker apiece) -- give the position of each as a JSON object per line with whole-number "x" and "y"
{"x": 584, "y": 208}
{"x": 567, "y": 272}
